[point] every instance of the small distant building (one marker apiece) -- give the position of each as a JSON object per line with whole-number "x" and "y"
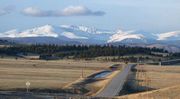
{"x": 160, "y": 54}
{"x": 31, "y": 56}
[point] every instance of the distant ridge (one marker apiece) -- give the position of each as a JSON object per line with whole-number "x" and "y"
{"x": 71, "y": 34}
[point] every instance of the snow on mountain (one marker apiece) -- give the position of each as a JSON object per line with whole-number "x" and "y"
{"x": 80, "y": 28}
{"x": 86, "y": 29}
{"x": 11, "y": 34}
{"x": 69, "y": 31}
{"x": 124, "y": 35}
{"x": 174, "y": 35}
{"x": 44, "y": 31}
{"x": 72, "y": 36}
{"x": 63, "y": 32}
{"x": 90, "y": 35}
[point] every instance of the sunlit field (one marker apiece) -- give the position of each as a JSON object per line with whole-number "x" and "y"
{"x": 44, "y": 74}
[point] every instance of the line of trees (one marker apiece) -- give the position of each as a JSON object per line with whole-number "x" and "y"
{"x": 78, "y": 51}
{"x": 176, "y": 55}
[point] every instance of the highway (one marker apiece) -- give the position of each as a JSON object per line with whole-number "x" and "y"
{"x": 116, "y": 84}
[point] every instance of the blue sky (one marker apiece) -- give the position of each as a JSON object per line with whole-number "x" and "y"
{"x": 147, "y": 15}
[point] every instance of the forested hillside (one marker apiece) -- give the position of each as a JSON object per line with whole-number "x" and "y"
{"x": 78, "y": 51}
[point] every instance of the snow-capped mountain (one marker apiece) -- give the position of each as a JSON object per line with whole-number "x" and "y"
{"x": 71, "y": 34}
{"x": 121, "y": 36}
{"x": 44, "y": 31}
{"x": 174, "y": 35}
{"x": 80, "y": 34}
{"x": 168, "y": 41}
{"x": 87, "y": 34}
{"x": 86, "y": 29}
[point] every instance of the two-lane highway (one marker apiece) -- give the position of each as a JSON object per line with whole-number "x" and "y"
{"x": 116, "y": 84}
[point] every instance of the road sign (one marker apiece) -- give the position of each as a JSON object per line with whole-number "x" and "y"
{"x": 27, "y": 86}
{"x": 160, "y": 63}
{"x": 28, "y": 83}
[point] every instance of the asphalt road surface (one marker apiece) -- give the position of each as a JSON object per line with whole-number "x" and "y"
{"x": 115, "y": 86}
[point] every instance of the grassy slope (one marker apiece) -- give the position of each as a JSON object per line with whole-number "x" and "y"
{"x": 164, "y": 93}
{"x": 165, "y": 79}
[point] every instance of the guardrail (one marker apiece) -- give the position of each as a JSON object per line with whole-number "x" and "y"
{"x": 168, "y": 62}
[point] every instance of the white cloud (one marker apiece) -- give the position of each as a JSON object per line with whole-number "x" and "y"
{"x": 68, "y": 11}
{"x": 32, "y": 11}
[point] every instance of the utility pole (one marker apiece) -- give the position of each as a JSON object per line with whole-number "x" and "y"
{"x": 138, "y": 61}
{"x": 137, "y": 74}
{"x": 83, "y": 69}
{"x": 82, "y": 73}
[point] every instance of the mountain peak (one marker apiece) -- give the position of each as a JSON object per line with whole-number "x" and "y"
{"x": 90, "y": 34}
{"x": 10, "y": 33}
{"x": 43, "y": 31}
{"x": 80, "y": 28}
{"x": 174, "y": 35}
{"x": 121, "y": 35}
{"x": 47, "y": 26}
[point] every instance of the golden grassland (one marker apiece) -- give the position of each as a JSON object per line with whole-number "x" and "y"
{"x": 165, "y": 80}
{"x": 160, "y": 77}
{"x": 163, "y": 93}
{"x": 44, "y": 74}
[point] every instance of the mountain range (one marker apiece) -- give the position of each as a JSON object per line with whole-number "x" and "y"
{"x": 71, "y": 34}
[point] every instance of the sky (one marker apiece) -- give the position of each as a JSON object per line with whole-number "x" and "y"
{"x": 154, "y": 16}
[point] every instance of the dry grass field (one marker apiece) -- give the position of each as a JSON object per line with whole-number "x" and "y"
{"x": 44, "y": 74}
{"x": 164, "y": 93}
{"x": 165, "y": 80}
{"x": 159, "y": 77}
